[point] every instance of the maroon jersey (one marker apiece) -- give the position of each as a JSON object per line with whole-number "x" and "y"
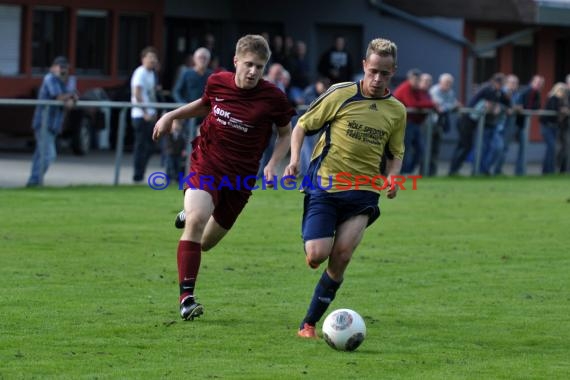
{"x": 237, "y": 130}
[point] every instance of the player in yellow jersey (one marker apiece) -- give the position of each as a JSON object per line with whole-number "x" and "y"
{"x": 359, "y": 121}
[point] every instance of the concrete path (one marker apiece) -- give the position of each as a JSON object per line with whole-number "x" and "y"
{"x": 99, "y": 168}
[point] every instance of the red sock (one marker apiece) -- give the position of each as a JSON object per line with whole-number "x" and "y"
{"x": 189, "y": 255}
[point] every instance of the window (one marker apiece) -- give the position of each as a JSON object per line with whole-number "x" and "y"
{"x": 134, "y": 35}
{"x": 92, "y": 47}
{"x": 486, "y": 64}
{"x": 49, "y": 36}
{"x": 523, "y": 58}
{"x": 562, "y": 60}
{"x": 10, "y": 39}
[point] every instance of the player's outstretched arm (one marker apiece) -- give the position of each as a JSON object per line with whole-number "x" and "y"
{"x": 195, "y": 109}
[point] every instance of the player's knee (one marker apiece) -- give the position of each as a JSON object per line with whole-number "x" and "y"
{"x": 196, "y": 220}
{"x": 342, "y": 255}
{"x": 316, "y": 253}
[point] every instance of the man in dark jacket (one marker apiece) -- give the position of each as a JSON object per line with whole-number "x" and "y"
{"x": 528, "y": 99}
{"x": 485, "y": 100}
{"x": 336, "y": 63}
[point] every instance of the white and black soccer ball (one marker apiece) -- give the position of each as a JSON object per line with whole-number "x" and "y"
{"x": 344, "y": 330}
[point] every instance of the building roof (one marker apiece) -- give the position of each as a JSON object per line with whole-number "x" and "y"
{"x": 541, "y": 12}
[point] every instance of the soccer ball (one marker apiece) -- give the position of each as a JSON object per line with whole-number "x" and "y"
{"x": 344, "y": 330}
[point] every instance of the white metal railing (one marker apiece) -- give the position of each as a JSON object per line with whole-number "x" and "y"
{"x": 106, "y": 107}
{"x": 478, "y": 146}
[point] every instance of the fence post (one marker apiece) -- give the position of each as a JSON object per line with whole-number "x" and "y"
{"x": 103, "y": 136}
{"x": 427, "y": 153}
{"x": 479, "y": 144}
{"x": 43, "y": 145}
{"x": 120, "y": 145}
{"x": 524, "y": 146}
{"x": 567, "y": 147}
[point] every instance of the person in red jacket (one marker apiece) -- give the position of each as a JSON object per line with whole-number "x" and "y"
{"x": 410, "y": 93}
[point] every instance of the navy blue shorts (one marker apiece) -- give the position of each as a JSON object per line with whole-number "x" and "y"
{"x": 323, "y": 212}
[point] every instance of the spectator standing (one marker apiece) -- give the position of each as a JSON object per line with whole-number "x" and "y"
{"x": 294, "y": 93}
{"x": 56, "y": 85}
{"x": 494, "y": 119}
{"x": 446, "y": 103}
{"x": 300, "y": 66}
{"x": 336, "y": 62}
{"x": 529, "y": 99}
{"x": 485, "y": 103}
{"x": 190, "y": 85}
{"x": 143, "y": 92}
{"x": 278, "y": 53}
{"x": 289, "y": 49}
{"x": 275, "y": 75}
{"x": 551, "y": 125}
{"x": 506, "y": 129}
{"x": 412, "y": 96}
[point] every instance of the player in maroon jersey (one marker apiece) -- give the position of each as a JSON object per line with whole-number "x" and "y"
{"x": 240, "y": 110}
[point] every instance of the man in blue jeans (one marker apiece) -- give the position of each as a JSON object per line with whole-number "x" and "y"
{"x": 412, "y": 95}
{"x": 487, "y": 101}
{"x": 528, "y": 99}
{"x": 506, "y": 129}
{"x": 54, "y": 87}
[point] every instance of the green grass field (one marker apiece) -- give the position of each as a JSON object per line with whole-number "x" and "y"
{"x": 461, "y": 279}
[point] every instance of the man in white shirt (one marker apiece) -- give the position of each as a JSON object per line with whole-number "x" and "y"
{"x": 143, "y": 91}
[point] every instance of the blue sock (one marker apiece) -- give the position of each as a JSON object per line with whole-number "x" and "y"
{"x": 324, "y": 294}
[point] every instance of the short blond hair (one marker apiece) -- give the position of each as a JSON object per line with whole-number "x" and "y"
{"x": 558, "y": 87}
{"x": 382, "y": 47}
{"x": 253, "y": 43}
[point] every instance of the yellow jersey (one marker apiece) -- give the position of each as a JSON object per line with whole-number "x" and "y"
{"x": 355, "y": 131}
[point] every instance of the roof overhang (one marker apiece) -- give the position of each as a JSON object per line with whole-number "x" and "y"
{"x": 513, "y": 11}
{"x": 553, "y": 12}
{"x": 529, "y": 12}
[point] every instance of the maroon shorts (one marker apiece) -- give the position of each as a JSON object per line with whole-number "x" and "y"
{"x": 228, "y": 201}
